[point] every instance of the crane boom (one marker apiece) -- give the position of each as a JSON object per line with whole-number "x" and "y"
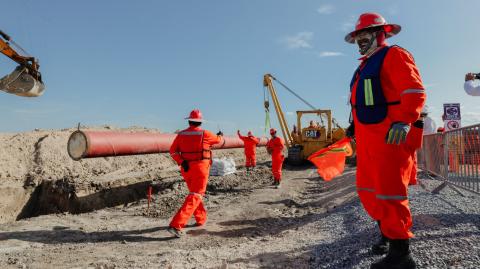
{"x": 267, "y": 82}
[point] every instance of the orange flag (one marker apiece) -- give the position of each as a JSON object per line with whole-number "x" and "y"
{"x": 330, "y": 161}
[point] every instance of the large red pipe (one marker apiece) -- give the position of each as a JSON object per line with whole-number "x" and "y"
{"x": 92, "y": 144}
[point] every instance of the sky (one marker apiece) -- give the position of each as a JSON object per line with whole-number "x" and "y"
{"x": 148, "y": 63}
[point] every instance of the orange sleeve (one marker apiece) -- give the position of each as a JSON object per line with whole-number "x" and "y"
{"x": 174, "y": 151}
{"x": 256, "y": 140}
{"x": 269, "y": 144}
{"x": 401, "y": 81}
{"x": 241, "y": 137}
{"x": 210, "y": 138}
{"x": 281, "y": 144}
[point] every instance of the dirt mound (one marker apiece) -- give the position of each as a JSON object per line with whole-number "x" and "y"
{"x": 170, "y": 192}
{"x": 36, "y": 169}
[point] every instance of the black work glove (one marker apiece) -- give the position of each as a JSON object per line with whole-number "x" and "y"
{"x": 220, "y": 133}
{"x": 185, "y": 166}
{"x": 350, "y": 132}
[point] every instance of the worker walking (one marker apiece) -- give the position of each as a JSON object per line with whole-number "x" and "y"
{"x": 387, "y": 96}
{"x": 250, "y": 143}
{"x": 275, "y": 147}
{"x": 191, "y": 149}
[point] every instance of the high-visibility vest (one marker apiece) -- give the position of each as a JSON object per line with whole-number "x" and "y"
{"x": 370, "y": 105}
{"x": 191, "y": 146}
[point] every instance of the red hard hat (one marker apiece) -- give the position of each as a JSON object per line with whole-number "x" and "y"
{"x": 370, "y": 20}
{"x": 195, "y": 115}
{"x": 249, "y": 133}
{"x": 273, "y": 131}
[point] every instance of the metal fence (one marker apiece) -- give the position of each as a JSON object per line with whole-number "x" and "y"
{"x": 453, "y": 156}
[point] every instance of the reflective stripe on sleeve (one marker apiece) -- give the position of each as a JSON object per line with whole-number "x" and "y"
{"x": 391, "y": 197}
{"x": 365, "y": 189}
{"x": 413, "y": 91}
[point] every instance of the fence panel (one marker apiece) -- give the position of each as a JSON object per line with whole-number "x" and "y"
{"x": 454, "y": 156}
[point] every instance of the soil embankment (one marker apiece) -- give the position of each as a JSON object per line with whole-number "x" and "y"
{"x": 38, "y": 177}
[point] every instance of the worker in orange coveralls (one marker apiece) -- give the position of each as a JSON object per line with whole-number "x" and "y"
{"x": 191, "y": 149}
{"x": 387, "y": 96}
{"x": 275, "y": 147}
{"x": 250, "y": 143}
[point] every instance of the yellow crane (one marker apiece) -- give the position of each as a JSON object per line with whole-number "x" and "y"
{"x": 303, "y": 141}
{"x": 26, "y": 79}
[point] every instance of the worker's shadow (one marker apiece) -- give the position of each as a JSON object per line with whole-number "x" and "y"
{"x": 62, "y": 235}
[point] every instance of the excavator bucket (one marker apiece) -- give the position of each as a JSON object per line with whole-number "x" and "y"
{"x": 20, "y": 82}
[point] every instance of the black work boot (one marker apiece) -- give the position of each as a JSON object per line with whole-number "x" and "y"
{"x": 381, "y": 247}
{"x": 398, "y": 257}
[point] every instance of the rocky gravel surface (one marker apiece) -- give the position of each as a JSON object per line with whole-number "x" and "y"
{"x": 446, "y": 227}
{"x": 308, "y": 223}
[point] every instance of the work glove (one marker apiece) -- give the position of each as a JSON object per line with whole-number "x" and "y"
{"x": 185, "y": 166}
{"x": 350, "y": 132}
{"x": 397, "y": 134}
{"x": 220, "y": 133}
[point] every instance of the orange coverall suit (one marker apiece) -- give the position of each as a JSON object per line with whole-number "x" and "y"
{"x": 275, "y": 146}
{"x": 250, "y": 143}
{"x": 415, "y": 143}
{"x": 384, "y": 170}
{"x": 194, "y": 146}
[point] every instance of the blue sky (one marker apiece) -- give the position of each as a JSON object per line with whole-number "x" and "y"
{"x": 148, "y": 63}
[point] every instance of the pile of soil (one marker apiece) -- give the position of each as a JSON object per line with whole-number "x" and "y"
{"x": 37, "y": 176}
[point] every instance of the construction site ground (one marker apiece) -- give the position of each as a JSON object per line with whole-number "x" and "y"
{"x": 95, "y": 215}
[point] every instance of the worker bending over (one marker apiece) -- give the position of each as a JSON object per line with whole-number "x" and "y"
{"x": 191, "y": 149}
{"x": 275, "y": 147}
{"x": 250, "y": 143}
{"x": 387, "y": 96}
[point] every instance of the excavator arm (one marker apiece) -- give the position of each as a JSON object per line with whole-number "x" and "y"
{"x": 25, "y": 80}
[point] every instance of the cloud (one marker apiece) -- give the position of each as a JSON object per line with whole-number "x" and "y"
{"x": 392, "y": 10}
{"x": 330, "y": 54}
{"x": 349, "y": 25}
{"x": 326, "y": 9}
{"x": 470, "y": 118}
{"x": 299, "y": 41}
{"x": 429, "y": 85}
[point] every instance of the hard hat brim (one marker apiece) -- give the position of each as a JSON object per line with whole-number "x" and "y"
{"x": 390, "y": 30}
{"x": 195, "y": 120}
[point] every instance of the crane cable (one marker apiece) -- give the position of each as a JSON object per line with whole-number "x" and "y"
{"x": 334, "y": 121}
{"x": 266, "y": 104}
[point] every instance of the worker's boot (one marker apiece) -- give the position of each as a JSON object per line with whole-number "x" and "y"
{"x": 380, "y": 247}
{"x": 398, "y": 257}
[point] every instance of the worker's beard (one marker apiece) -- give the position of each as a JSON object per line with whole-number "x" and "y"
{"x": 367, "y": 44}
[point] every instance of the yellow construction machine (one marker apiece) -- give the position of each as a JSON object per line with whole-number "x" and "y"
{"x": 25, "y": 80}
{"x": 303, "y": 140}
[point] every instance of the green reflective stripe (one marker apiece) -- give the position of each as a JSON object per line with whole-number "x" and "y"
{"x": 344, "y": 149}
{"x": 367, "y": 88}
{"x": 365, "y": 189}
{"x": 391, "y": 197}
{"x": 370, "y": 91}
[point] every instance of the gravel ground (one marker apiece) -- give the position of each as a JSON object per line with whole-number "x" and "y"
{"x": 446, "y": 227}
{"x": 308, "y": 223}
